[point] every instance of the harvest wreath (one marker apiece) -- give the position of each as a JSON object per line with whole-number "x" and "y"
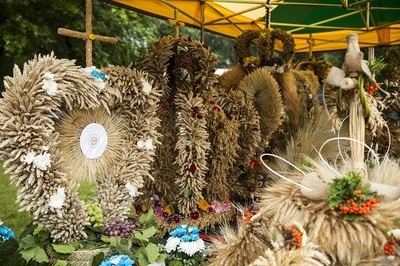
{"x": 56, "y": 118}
{"x": 265, "y": 41}
{"x": 200, "y": 138}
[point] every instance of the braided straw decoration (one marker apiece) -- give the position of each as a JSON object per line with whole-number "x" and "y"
{"x": 199, "y": 140}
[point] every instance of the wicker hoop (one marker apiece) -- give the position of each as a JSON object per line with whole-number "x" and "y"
{"x": 85, "y": 257}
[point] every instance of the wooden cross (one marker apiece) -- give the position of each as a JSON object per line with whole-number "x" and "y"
{"x": 88, "y": 35}
{"x": 176, "y": 23}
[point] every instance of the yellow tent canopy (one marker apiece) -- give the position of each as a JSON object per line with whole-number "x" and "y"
{"x": 322, "y": 23}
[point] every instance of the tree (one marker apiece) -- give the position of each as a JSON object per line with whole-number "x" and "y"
{"x": 29, "y": 27}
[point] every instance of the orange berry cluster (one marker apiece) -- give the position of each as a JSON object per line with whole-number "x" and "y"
{"x": 297, "y": 236}
{"x": 371, "y": 89}
{"x": 352, "y": 207}
{"x": 388, "y": 248}
{"x": 248, "y": 214}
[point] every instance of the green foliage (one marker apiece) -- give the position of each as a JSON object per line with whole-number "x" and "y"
{"x": 147, "y": 246}
{"x": 343, "y": 188}
{"x": 9, "y": 254}
{"x": 376, "y": 65}
{"x": 351, "y": 197}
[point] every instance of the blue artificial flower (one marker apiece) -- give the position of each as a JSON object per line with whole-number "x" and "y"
{"x": 194, "y": 237}
{"x": 6, "y": 233}
{"x": 186, "y": 233}
{"x": 185, "y": 238}
{"x": 193, "y": 230}
{"x": 118, "y": 260}
{"x": 179, "y": 231}
{"x": 98, "y": 75}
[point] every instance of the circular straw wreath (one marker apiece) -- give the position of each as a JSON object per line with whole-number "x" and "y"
{"x": 265, "y": 41}
{"x": 46, "y": 109}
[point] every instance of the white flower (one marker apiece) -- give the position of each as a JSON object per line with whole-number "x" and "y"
{"x": 172, "y": 244}
{"x": 48, "y": 75}
{"x": 148, "y": 144}
{"x": 57, "y": 199}
{"x": 348, "y": 83}
{"x": 1, "y": 222}
{"x": 101, "y": 84}
{"x": 89, "y": 70}
{"x": 395, "y": 233}
{"x": 29, "y": 157}
{"x": 146, "y": 86}
{"x": 42, "y": 161}
{"x": 192, "y": 247}
{"x": 131, "y": 189}
{"x": 50, "y": 86}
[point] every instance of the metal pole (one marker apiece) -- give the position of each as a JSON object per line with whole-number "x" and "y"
{"x": 202, "y": 20}
{"x": 268, "y": 15}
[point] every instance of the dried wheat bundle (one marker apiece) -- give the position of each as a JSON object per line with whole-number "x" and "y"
{"x": 261, "y": 88}
{"x": 308, "y": 255}
{"x": 381, "y": 261}
{"x": 239, "y": 247}
{"x": 237, "y": 108}
{"x": 231, "y": 79}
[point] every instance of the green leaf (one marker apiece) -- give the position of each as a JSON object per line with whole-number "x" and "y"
{"x": 149, "y": 232}
{"x": 35, "y": 253}
{"x": 142, "y": 260}
{"x": 161, "y": 258}
{"x": 141, "y": 239}
{"x": 98, "y": 259}
{"x": 112, "y": 241}
{"x": 42, "y": 235}
{"x": 63, "y": 249}
{"x": 175, "y": 263}
{"x": 147, "y": 217}
{"x": 27, "y": 242}
{"x": 61, "y": 263}
{"x": 187, "y": 192}
{"x": 152, "y": 252}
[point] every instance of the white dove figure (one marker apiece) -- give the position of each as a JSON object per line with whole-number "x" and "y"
{"x": 353, "y": 60}
{"x": 353, "y": 63}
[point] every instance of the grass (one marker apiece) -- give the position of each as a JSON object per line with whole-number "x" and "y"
{"x": 9, "y": 209}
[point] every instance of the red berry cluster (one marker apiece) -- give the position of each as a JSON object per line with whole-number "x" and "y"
{"x": 371, "y": 89}
{"x": 388, "y": 248}
{"x": 352, "y": 207}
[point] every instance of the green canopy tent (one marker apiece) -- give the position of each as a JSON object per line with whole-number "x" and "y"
{"x": 324, "y": 24}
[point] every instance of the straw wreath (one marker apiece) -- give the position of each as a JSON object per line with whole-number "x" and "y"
{"x": 42, "y": 114}
{"x": 265, "y": 42}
